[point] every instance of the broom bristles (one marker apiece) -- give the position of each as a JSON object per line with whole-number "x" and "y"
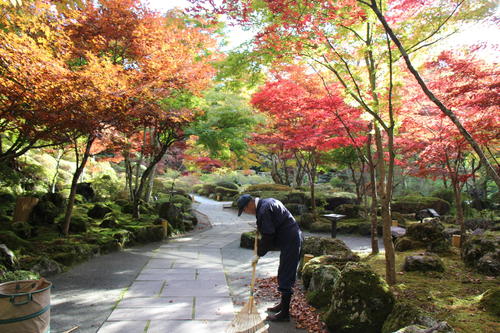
{"x": 248, "y": 320}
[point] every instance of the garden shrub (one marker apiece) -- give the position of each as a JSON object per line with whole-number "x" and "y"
{"x": 8, "y": 276}
{"x": 228, "y": 185}
{"x": 268, "y": 187}
{"x": 445, "y": 194}
{"x": 349, "y": 210}
{"x": 224, "y": 193}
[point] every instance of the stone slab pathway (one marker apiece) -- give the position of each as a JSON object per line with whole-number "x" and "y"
{"x": 183, "y": 287}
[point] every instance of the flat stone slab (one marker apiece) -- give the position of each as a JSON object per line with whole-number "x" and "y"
{"x": 159, "y": 263}
{"x": 144, "y": 288}
{"x": 171, "y": 311}
{"x": 122, "y": 326}
{"x": 192, "y": 326}
{"x": 214, "y": 308}
{"x": 173, "y": 303}
{"x": 196, "y": 288}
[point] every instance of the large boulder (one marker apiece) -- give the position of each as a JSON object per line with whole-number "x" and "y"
{"x": 423, "y": 263}
{"x": 318, "y": 246}
{"x": 403, "y": 315}
{"x": 99, "y": 211}
{"x": 406, "y": 243}
{"x": 47, "y": 209}
{"x": 490, "y": 301}
{"x": 431, "y": 233}
{"x": 361, "y": 301}
{"x": 172, "y": 213}
{"x": 46, "y": 267}
{"x": 315, "y": 263}
{"x": 349, "y": 210}
{"x": 411, "y": 204}
{"x": 319, "y": 293}
{"x": 441, "y": 327}
{"x": 483, "y": 253}
{"x": 86, "y": 191}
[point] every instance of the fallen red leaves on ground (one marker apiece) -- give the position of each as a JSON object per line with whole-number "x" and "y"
{"x": 305, "y": 315}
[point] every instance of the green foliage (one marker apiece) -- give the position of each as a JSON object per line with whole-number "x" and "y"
{"x": 225, "y": 125}
{"x": 268, "y": 187}
{"x": 445, "y": 194}
{"x": 239, "y": 70}
{"x": 236, "y": 177}
{"x": 8, "y": 276}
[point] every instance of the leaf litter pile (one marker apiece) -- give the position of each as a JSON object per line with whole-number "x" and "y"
{"x": 305, "y": 316}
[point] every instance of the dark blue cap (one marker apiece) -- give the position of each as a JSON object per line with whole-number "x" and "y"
{"x": 242, "y": 202}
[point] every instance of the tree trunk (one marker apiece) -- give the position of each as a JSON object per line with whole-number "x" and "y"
{"x": 74, "y": 182}
{"x": 54, "y": 179}
{"x": 460, "y": 211}
{"x": 489, "y": 168}
{"x": 373, "y": 193}
{"x": 149, "y": 188}
{"x": 390, "y": 259}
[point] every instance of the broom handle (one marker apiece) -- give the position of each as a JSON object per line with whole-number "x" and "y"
{"x": 254, "y": 266}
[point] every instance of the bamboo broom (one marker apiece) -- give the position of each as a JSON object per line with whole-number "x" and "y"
{"x": 248, "y": 320}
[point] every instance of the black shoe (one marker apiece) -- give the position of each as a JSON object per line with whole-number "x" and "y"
{"x": 276, "y": 308}
{"x": 280, "y": 316}
{"x": 284, "y": 312}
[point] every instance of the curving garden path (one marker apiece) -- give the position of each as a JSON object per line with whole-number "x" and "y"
{"x": 194, "y": 283}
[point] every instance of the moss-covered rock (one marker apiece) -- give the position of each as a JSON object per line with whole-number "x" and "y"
{"x": 45, "y": 212}
{"x": 79, "y": 224}
{"x": 490, "y": 301}
{"x": 331, "y": 200}
{"x": 361, "y": 301}
{"x": 172, "y": 213}
{"x": 98, "y": 211}
{"x": 305, "y": 221}
{"x": 224, "y": 193}
{"x": 349, "y": 210}
{"x": 295, "y": 198}
{"x": 86, "y": 191}
{"x": 423, "y": 263}
{"x": 44, "y": 266}
{"x": 321, "y": 226}
{"x": 404, "y": 314}
{"x": 247, "y": 241}
{"x": 477, "y": 247}
{"x": 431, "y": 233}
{"x": 441, "y": 327}
{"x": 406, "y": 243}
{"x": 268, "y": 187}
{"x": 319, "y": 293}
{"x": 318, "y": 246}
{"x": 153, "y": 233}
{"x": 414, "y": 203}
{"x": 12, "y": 241}
{"x": 22, "y": 229}
{"x": 228, "y": 185}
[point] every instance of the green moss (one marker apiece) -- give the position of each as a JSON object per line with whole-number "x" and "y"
{"x": 18, "y": 275}
{"x": 453, "y": 297}
{"x": 490, "y": 301}
{"x": 268, "y": 188}
{"x": 413, "y": 203}
{"x": 12, "y": 241}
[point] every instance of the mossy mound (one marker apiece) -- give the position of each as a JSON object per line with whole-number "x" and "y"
{"x": 431, "y": 233}
{"x": 98, "y": 211}
{"x": 483, "y": 246}
{"x": 8, "y": 276}
{"x": 224, "y": 193}
{"x": 349, "y": 210}
{"x": 361, "y": 301}
{"x": 406, "y": 243}
{"x": 318, "y": 246}
{"x": 319, "y": 293}
{"x": 228, "y": 185}
{"x": 423, "y": 263}
{"x": 268, "y": 188}
{"x": 414, "y": 203}
{"x": 490, "y": 301}
{"x": 13, "y": 241}
{"x": 405, "y": 314}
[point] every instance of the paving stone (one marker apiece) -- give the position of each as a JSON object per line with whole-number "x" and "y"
{"x": 196, "y": 288}
{"x": 192, "y": 326}
{"x": 165, "y": 302}
{"x": 214, "y": 308}
{"x": 171, "y": 311}
{"x": 144, "y": 288}
{"x": 123, "y": 326}
{"x": 159, "y": 263}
